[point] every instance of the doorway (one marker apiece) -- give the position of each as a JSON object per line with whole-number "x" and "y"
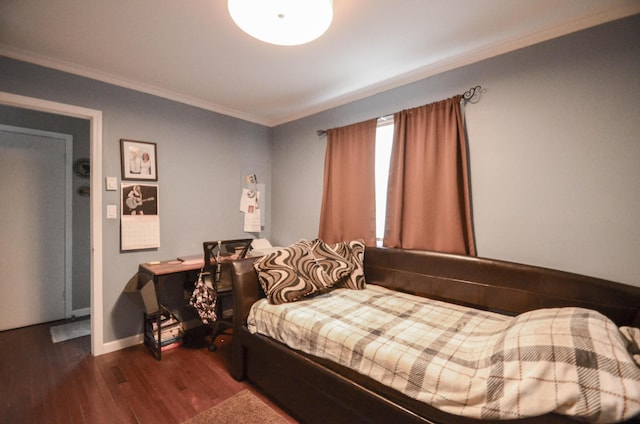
{"x": 95, "y": 122}
{"x": 35, "y": 250}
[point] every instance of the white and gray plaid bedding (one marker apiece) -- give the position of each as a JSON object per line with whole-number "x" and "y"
{"x": 465, "y": 361}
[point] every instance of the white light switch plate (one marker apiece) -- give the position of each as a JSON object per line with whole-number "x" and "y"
{"x": 112, "y": 183}
{"x": 112, "y": 211}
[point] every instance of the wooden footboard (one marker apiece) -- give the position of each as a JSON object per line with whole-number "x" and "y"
{"x": 310, "y": 392}
{"x": 313, "y": 391}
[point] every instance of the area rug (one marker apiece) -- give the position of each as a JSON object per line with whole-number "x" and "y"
{"x": 72, "y": 330}
{"x": 242, "y": 408}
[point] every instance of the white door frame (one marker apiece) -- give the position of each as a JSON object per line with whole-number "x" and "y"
{"x": 68, "y": 206}
{"x": 95, "y": 123}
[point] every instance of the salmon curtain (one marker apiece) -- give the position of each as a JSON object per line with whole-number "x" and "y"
{"x": 428, "y": 198}
{"x": 348, "y": 198}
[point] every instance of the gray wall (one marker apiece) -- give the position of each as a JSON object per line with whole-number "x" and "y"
{"x": 553, "y": 143}
{"x": 202, "y": 158}
{"x": 554, "y": 147}
{"x": 79, "y": 130}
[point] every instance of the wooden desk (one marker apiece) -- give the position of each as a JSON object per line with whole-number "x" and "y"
{"x": 168, "y": 267}
{"x": 172, "y": 280}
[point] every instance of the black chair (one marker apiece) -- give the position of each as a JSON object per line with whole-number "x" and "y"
{"x": 218, "y": 256}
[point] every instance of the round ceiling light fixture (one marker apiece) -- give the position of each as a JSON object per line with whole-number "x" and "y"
{"x": 282, "y": 22}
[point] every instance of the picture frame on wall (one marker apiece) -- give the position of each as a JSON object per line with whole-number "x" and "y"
{"x": 139, "y": 160}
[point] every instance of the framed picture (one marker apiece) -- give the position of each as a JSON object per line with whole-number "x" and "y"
{"x": 139, "y": 160}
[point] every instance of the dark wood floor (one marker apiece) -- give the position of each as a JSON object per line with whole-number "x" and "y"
{"x": 42, "y": 382}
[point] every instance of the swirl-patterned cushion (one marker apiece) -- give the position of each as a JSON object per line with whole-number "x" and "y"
{"x": 353, "y": 252}
{"x": 337, "y": 265}
{"x": 293, "y": 273}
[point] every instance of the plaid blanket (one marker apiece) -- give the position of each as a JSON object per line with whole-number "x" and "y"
{"x": 465, "y": 361}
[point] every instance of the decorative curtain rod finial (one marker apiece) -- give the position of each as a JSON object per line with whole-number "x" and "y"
{"x": 472, "y": 95}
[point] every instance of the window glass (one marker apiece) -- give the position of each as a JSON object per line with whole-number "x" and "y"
{"x": 384, "y": 139}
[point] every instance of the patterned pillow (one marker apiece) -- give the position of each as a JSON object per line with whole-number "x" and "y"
{"x": 292, "y": 273}
{"x": 335, "y": 265}
{"x": 352, "y": 251}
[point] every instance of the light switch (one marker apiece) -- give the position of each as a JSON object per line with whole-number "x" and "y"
{"x": 112, "y": 211}
{"x": 112, "y": 183}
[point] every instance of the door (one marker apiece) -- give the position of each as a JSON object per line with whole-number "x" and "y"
{"x": 35, "y": 221}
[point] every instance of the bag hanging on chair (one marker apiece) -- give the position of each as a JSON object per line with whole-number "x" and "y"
{"x": 204, "y": 300}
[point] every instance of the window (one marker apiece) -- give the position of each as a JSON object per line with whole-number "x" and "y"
{"x": 384, "y": 141}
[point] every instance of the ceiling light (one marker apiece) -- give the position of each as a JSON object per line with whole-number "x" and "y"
{"x": 282, "y": 22}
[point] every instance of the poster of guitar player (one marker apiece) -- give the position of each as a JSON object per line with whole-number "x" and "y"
{"x": 140, "y": 223}
{"x": 139, "y": 199}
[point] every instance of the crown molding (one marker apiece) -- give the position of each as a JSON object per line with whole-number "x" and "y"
{"x": 444, "y": 65}
{"x": 94, "y": 74}
{"x": 458, "y": 61}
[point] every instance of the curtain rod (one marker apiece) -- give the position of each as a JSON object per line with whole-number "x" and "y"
{"x": 467, "y": 96}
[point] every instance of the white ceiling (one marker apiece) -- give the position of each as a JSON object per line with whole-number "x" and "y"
{"x": 192, "y": 52}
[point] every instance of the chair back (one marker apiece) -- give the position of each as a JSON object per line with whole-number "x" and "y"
{"x": 217, "y": 259}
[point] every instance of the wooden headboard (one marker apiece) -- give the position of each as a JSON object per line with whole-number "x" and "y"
{"x": 498, "y": 285}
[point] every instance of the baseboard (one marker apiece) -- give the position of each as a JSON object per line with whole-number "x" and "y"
{"x": 122, "y": 343}
{"x": 81, "y": 312}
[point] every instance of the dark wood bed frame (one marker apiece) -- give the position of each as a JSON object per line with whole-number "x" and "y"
{"x": 313, "y": 390}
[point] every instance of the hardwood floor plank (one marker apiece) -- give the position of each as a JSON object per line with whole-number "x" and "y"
{"x": 43, "y": 382}
{"x": 153, "y": 383}
{"x": 92, "y": 401}
{"x": 111, "y": 392}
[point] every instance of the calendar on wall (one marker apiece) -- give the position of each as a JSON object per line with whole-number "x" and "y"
{"x": 140, "y": 223}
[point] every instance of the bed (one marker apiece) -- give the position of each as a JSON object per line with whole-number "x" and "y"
{"x": 316, "y": 389}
